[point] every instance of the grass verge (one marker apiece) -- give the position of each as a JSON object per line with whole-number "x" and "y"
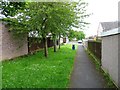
{"x": 36, "y": 71}
{"x": 109, "y": 81}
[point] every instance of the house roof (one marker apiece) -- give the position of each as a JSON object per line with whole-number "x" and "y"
{"x": 110, "y": 25}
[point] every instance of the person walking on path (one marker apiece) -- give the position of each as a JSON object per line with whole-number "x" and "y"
{"x": 84, "y": 73}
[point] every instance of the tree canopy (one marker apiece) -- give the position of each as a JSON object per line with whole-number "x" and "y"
{"x": 10, "y": 9}
{"x": 45, "y": 18}
{"x": 79, "y": 35}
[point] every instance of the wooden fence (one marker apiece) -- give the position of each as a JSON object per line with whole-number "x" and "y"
{"x": 33, "y": 46}
{"x": 95, "y": 48}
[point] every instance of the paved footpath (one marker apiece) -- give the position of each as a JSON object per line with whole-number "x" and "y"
{"x": 84, "y": 74}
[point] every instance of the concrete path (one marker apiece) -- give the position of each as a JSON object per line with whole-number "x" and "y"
{"x": 84, "y": 74}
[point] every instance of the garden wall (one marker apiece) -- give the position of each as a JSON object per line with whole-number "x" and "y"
{"x": 10, "y": 47}
{"x": 110, "y": 49}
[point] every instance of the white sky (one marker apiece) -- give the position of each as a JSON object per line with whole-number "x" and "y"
{"x": 103, "y": 11}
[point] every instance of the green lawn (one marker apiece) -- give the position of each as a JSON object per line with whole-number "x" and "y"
{"x": 36, "y": 71}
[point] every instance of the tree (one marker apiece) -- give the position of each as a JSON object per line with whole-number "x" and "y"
{"x": 10, "y": 9}
{"x": 51, "y": 18}
{"x": 56, "y": 18}
{"x": 63, "y": 19}
{"x": 79, "y": 35}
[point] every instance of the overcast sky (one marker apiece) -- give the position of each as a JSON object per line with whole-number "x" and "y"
{"x": 103, "y": 11}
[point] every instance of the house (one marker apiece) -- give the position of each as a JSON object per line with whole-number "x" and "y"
{"x": 10, "y": 47}
{"x": 106, "y": 26}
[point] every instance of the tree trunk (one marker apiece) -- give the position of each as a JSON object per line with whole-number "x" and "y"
{"x": 59, "y": 41}
{"x": 45, "y": 47}
{"x": 55, "y": 43}
{"x": 55, "y": 48}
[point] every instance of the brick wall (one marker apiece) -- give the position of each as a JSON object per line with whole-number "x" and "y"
{"x": 10, "y": 46}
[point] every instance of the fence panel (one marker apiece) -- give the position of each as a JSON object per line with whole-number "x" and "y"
{"x": 32, "y": 46}
{"x": 95, "y": 48}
